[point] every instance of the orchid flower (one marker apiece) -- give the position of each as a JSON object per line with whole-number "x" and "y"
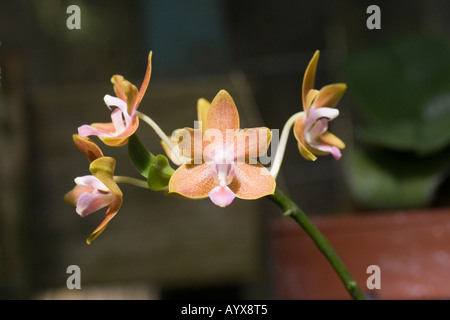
{"x": 222, "y": 164}
{"x": 94, "y": 192}
{"x": 311, "y": 128}
{"x": 124, "y": 118}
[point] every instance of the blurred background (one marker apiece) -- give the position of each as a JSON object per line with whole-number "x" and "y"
{"x": 394, "y": 118}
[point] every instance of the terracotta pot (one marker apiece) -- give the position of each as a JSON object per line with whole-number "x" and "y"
{"x": 411, "y": 249}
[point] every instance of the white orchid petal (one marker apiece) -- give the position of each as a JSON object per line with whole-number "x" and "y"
{"x": 91, "y": 181}
{"x": 315, "y": 114}
{"x": 318, "y": 128}
{"x": 117, "y": 120}
{"x": 119, "y": 103}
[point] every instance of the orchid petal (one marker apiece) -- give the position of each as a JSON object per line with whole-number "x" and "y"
{"x": 72, "y": 196}
{"x": 131, "y": 92}
{"x": 189, "y": 143}
{"x": 203, "y": 107}
{"x": 110, "y": 213}
{"x": 332, "y": 140}
{"x": 252, "y": 181}
{"x": 88, "y": 147}
{"x": 319, "y": 127}
{"x": 169, "y": 152}
{"x": 117, "y": 80}
{"x": 125, "y": 91}
{"x": 117, "y": 121}
{"x": 90, "y": 202}
{"x": 309, "y": 78}
{"x": 146, "y": 80}
{"x": 223, "y": 113}
{"x": 91, "y": 181}
{"x": 304, "y": 151}
{"x": 193, "y": 181}
{"x": 299, "y": 129}
{"x": 312, "y": 94}
{"x": 221, "y": 196}
{"x": 117, "y": 140}
{"x": 335, "y": 152}
{"x": 103, "y": 169}
{"x": 89, "y": 130}
{"x": 120, "y": 104}
{"x": 320, "y": 113}
{"x": 329, "y": 95}
{"x": 253, "y": 142}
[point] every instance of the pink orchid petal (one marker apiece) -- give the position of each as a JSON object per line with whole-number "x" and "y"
{"x": 335, "y": 152}
{"x": 317, "y": 129}
{"x": 221, "y": 196}
{"x": 91, "y": 181}
{"x": 87, "y": 130}
{"x": 91, "y": 202}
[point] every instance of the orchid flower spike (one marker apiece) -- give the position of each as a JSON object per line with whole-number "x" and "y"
{"x": 124, "y": 118}
{"x": 311, "y": 128}
{"x": 222, "y": 159}
{"x": 94, "y": 192}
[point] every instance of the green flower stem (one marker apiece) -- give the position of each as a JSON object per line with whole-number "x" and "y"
{"x": 292, "y": 210}
{"x": 130, "y": 180}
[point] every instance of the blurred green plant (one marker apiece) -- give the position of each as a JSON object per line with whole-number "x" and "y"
{"x": 402, "y": 92}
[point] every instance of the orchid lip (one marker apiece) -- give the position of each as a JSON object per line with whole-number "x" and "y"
{"x": 221, "y": 196}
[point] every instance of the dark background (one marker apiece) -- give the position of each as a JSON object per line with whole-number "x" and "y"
{"x": 53, "y": 80}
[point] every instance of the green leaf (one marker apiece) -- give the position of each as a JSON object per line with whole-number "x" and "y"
{"x": 402, "y": 90}
{"x": 381, "y": 179}
{"x": 160, "y": 172}
{"x": 141, "y": 158}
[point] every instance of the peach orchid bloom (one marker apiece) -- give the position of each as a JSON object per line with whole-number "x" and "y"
{"x": 311, "y": 129}
{"x": 96, "y": 191}
{"x": 222, "y": 164}
{"x": 124, "y": 118}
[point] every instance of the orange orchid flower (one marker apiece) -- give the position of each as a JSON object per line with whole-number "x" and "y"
{"x": 311, "y": 128}
{"x": 96, "y": 191}
{"x": 124, "y": 118}
{"x": 222, "y": 157}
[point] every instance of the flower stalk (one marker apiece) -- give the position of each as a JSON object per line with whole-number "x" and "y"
{"x": 279, "y": 154}
{"x": 132, "y": 181}
{"x": 161, "y": 134}
{"x": 292, "y": 210}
